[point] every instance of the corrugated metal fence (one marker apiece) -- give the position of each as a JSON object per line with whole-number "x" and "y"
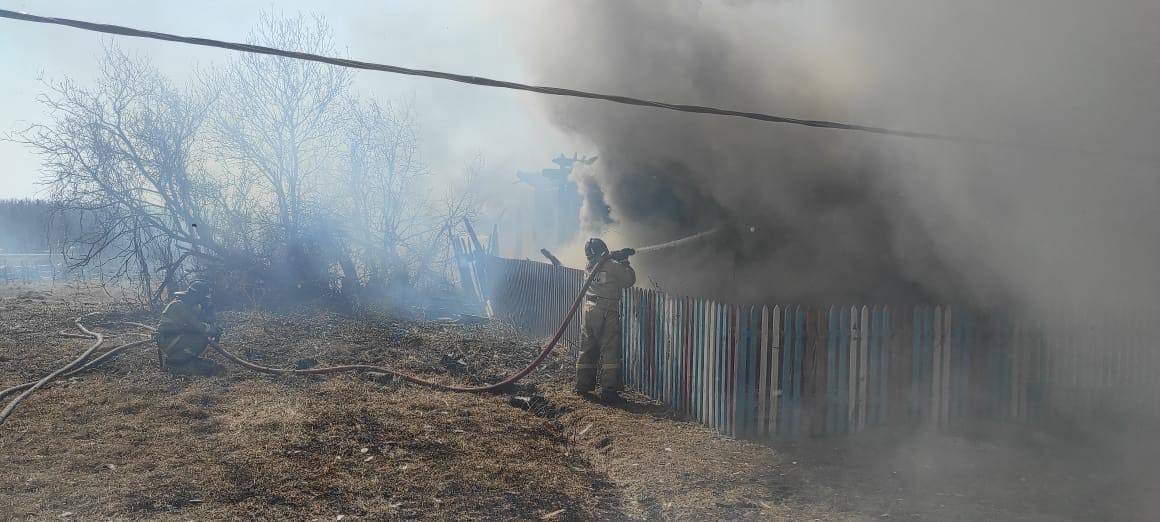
{"x": 791, "y": 371}
{"x": 534, "y": 296}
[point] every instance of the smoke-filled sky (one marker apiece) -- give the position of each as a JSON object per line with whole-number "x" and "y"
{"x": 1068, "y": 217}
{"x": 807, "y": 214}
{"x": 458, "y": 122}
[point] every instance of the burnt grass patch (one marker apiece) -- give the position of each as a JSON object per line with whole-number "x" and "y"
{"x": 128, "y": 441}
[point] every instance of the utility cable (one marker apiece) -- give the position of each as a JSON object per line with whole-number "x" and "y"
{"x": 473, "y": 80}
{"x": 560, "y": 91}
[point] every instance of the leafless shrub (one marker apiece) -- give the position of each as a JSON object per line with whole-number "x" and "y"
{"x": 267, "y": 175}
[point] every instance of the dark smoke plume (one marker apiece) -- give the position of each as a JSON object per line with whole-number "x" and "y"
{"x": 825, "y": 216}
{"x": 1062, "y": 226}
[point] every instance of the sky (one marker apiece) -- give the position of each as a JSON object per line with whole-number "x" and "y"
{"x": 458, "y": 123}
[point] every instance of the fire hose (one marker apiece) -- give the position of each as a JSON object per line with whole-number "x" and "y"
{"x": 74, "y": 367}
{"x": 547, "y": 350}
{"x": 79, "y": 364}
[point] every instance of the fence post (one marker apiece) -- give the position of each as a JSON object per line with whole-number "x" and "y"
{"x": 958, "y": 358}
{"x": 710, "y": 369}
{"x": 937, "y": 378}
{"x": 1021, "y": 368}
{"x": 659, "y": 343}
{"x": 851, "y": 382}
{"x": 738, "y": 367}
{"x": 762, "y": 388}
{"x": 722, "y": 356}
{"x": 626, "y": 337}
{"x": 679, "y": 348}
{"x": 703, "y": 368}
{"x": 753, "y": 371}
{"x": 930, "y": 343}
{"x": 683, "y": 354}
{"x": 888, "y": 355}
{"x": 873, "y": 365}
{"x": 799, "y": 368}
{"x": 814, "y": 380}
{"x": 676, "y": 357}
{"x": 731, "y": 355}
{"x": 863, "y": 357}
{"x": 915, "y": 361}
{"x": 947, "y": 366}
{"x": 696, "y": 395}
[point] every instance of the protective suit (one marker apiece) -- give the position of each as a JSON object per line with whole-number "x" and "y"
{"x": 600, "y": 348}
{"x": 185, "y": 330}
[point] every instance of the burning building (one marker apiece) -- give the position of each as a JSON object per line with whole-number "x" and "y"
{"x": 555, "y": 207}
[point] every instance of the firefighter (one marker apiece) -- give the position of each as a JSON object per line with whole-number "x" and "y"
{"x": 600, "y": 340}
{"x": 185, "y": 330}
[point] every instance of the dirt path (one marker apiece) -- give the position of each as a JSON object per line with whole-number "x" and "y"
{"x": 130, "y": 442}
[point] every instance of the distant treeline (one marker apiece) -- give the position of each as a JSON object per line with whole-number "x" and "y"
{"x": 32, "y": 226}
{"x": 25, "y": 225}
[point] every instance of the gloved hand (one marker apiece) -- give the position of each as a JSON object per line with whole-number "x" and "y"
{"x": 622, "y": 254}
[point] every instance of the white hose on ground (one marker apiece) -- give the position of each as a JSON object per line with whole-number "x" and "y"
{"x": 98, "y": 341}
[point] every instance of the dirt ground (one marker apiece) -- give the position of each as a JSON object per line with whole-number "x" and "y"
{"x": 129, "y": 442}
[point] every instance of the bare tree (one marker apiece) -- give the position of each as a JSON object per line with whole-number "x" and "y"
{"x": 277, "y": 115}
{"x": 456, "y": 203}
{"x": 121, "y": 153}
{"x": 295, "y": 186}
{"x": 382, "y": 167}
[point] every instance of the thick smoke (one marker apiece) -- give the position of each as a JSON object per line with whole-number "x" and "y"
{"x": 1061, "y": 224}
{"x": 830, "y": 216}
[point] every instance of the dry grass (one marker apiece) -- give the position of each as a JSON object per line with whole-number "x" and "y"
{"x": 128, "y": 442}
{"x": 131, "y": 442}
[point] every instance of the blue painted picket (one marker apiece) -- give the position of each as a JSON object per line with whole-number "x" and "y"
{"x": 791, "y": 371}
{"x": 785, "y": 423}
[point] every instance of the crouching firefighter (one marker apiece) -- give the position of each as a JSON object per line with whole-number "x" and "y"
{"x": 186, "y": 329}
{"x": 600, "y": 340}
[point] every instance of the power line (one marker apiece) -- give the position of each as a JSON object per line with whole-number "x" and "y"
{"x": 473, "y": 80}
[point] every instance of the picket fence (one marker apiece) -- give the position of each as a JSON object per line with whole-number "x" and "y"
{"x": 792, "y": 371}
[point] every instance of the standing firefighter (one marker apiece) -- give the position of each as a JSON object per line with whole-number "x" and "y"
{"x": 186, "y": 329}
{"x": 600, "y": 340}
